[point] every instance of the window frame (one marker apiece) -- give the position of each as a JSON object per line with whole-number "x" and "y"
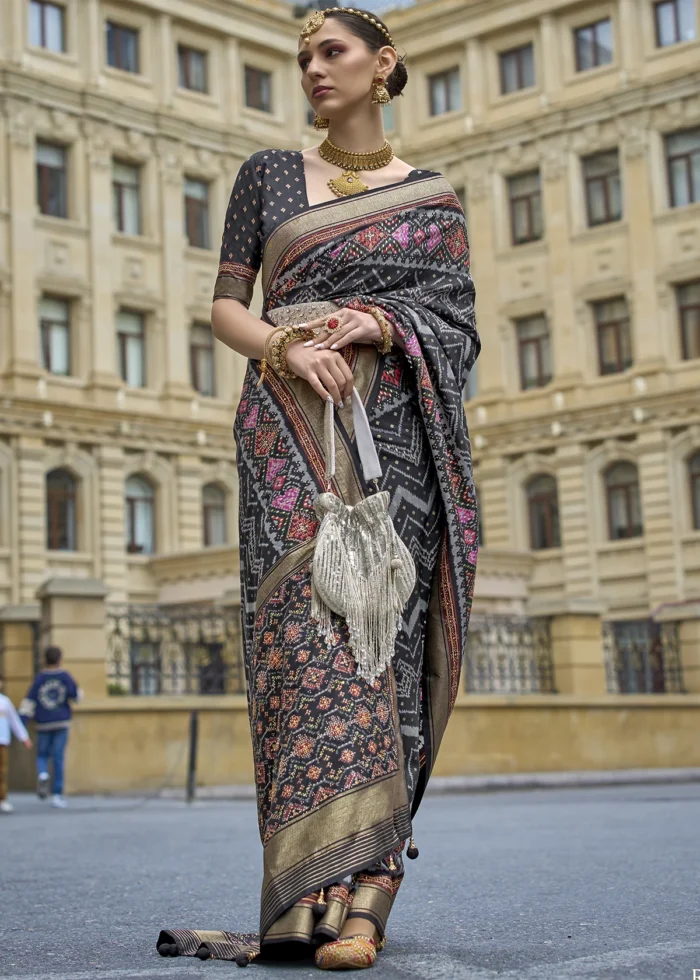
{"x": 523, "y": 342}
{"x": 43, "y": 176}
{"x": 248, "y": 72}
{"x": 46, "y": 325}
{"x": 122, "y": 338}
{"x": 604, "y": 180}
{"x": 518, "y": 53}
{"x": 197, "y": 349}
{"x": 56, "y": 498}
{"x": 120, "y": 29}
{"x": 694, "y": 480}
{"x": 628, "y": 489}
{"x": 676, "y": 24}
{"x": 592, "y": 26}
{"x": 130, "y": 503}
{"x": 550, "y": 503}
{"x": 684, "y": 308}
{"x": 443, "y": 78}
{"x": 207, "y": 510}
{"x": 184, "y": 53}
{"x": 118, "y": 190}
{"x": 43, "y": 5}
{"x": 513, "y": 201}
{"x": 617, "y": 326}
{"x": 687, "y": 157}
{"x": 197, "y": 209}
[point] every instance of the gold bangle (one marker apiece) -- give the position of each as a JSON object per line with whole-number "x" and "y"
{"x": 266, "y": 360}
{"x": 385, "y": 344}
{"x": 279, "y": 345}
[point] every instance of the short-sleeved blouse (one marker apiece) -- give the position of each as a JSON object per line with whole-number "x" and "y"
{"x": 269, "y": 189}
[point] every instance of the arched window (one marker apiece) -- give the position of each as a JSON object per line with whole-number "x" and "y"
{"x": 694, "y": 474}
{"x": 543, "y": 508}
{"x": 214, "y": 516}
{"x": 624, "y": 505}
{"x": 140, "y": 516}
{"x": 61, "y": 522}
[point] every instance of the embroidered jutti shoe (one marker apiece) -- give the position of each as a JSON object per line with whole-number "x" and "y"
{"x": 353, "y": 953}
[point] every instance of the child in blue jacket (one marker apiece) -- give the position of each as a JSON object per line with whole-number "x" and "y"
{"x": 48, "y": 702}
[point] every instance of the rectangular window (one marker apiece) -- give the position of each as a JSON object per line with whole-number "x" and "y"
{"x": 683, "y": 163}
{"x": 601, "y": 175}
{"x": 258, "y": 89}
{"x": 51, "y": 180}
{"x": 202, "y": 360}
{"x": 47, "y": 25}
{"x": 126, "y": 197}
{"x": 525, "y": 197}
{"x": 131, "y": 348}
{"x": 122, "y": 47}
{"x": 445, "y": 90}
{"x": 517, "y": 69}
{"x": 594, "y": 45}
{"x": 197, "y": 212}
{"x": 54, "y": 325}
{"x": 614, "y": 338}
{"x": 192, "y": 69}
{"x": 688, "y": 296}
{"x": 675, "y": 22}
{"x": 535, "y": 352}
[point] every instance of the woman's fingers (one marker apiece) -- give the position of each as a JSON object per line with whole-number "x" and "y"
{"x": 349, "y": 379}
{"x": 345, "y": 339}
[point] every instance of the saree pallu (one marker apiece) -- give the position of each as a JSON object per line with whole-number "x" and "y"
{"x": 341, "y": 765}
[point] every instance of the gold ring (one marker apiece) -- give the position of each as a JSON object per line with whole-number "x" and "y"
{"x": 333, "y": 322}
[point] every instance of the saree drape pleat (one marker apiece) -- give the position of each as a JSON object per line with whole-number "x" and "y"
{"x": 340, "y": 764}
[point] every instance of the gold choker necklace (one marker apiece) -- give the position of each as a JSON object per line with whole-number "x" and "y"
{"x": 349, "y": 181}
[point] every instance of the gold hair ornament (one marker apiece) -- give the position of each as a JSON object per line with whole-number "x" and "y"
{"x": 317, "y": 20}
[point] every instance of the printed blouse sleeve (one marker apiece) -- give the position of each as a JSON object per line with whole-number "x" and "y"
{"x": 241, "y": 248}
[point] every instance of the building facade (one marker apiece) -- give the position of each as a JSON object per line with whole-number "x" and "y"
{"x": 571, "y": 132}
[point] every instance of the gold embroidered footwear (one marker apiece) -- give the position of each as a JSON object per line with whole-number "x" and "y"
{"x": 353, "y": 953}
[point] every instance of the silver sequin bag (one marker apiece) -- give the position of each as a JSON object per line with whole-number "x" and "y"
{"x": 361, "y": 568}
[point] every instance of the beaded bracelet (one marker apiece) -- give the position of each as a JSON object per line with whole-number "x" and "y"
{"x": 266, "y": 360}
{"x": 385, "y": 344}
{"x": 277, "y": 343}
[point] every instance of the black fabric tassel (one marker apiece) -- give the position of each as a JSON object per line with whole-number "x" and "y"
{"x": 412, "y": 851}
{"x": 319, "y": 906}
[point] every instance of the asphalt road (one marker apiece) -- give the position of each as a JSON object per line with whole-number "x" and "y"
{"x": 588, "y": 884}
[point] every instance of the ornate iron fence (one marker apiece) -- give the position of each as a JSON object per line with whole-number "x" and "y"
{"x": 509, "y": 655}
{"x": 173, "y": 650}
{"x": 642, "y": 657}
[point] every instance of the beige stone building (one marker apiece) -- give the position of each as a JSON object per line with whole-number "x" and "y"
{"x": 571, "y": 131}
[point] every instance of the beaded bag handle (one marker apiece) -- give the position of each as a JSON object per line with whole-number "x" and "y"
{"x": 371, "y": 467}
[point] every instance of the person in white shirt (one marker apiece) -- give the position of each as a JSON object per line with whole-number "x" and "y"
{"x": 10, "y": 724}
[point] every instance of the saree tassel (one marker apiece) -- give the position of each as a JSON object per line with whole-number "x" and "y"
{"x": 319, "y": 906}
{"x": 412, "y": 851}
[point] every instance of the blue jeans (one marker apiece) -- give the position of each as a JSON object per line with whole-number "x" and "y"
{"x": 52, "y": 745}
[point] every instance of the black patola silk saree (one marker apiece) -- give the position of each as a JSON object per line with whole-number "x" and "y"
{"x": 341, "y": 765}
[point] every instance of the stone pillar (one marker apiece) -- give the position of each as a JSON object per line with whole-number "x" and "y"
{"x": 111, "y": 522}
{"x": 189, "y": 495}
{"x": 493, "y": 501}
{"x": 175, "y": 335}
{"x": 567, "y": 356}
{"x": 549, "y": 59}
{"x": 630, "y": 39}
{"x": 687, "y": 615}
{"x": 103, "y": 367}
{"x": 73, "y": 618}
{"x": 661, "y": 542}
{"x": 30, "y": 516}
{"x": 577, "y": 646}
{"x": 648, "y": 341}
{"x": 492, "y": 380}
{"x": 17, "y": 633}
{"x": 577, "y": 548}
{"x": 477, "y": 80}
{"x": 165, "y": 81}
{"x": 24, "y": 332}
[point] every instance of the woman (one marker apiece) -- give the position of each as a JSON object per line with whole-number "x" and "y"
{"x": 365, "y": 254}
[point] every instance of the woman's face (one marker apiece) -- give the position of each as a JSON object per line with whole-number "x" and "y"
{"x": 338, "y": 69}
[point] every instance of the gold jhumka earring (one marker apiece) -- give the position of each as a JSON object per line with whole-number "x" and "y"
{"x": 380, "y": 95}
{"x": 320, "y": 122}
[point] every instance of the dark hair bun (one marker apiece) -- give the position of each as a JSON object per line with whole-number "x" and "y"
{"x": 396, "y": 82}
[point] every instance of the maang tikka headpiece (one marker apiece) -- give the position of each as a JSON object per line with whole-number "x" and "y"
{"x": 317, "y": 20}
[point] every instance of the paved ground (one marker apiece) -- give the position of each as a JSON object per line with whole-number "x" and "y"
{"x": 565, "y": 884}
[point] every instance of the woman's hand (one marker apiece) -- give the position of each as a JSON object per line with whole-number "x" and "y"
{"x": 355, "y": 328}
{"x": 326, "y": 371}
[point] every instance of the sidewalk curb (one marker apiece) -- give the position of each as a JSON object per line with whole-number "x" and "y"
{"x": 497, "y": 782}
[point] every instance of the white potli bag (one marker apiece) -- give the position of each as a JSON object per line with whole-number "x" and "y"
{"x": 361, "y": 569}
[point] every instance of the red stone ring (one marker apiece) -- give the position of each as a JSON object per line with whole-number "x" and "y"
{"x": 333, "y": 323}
